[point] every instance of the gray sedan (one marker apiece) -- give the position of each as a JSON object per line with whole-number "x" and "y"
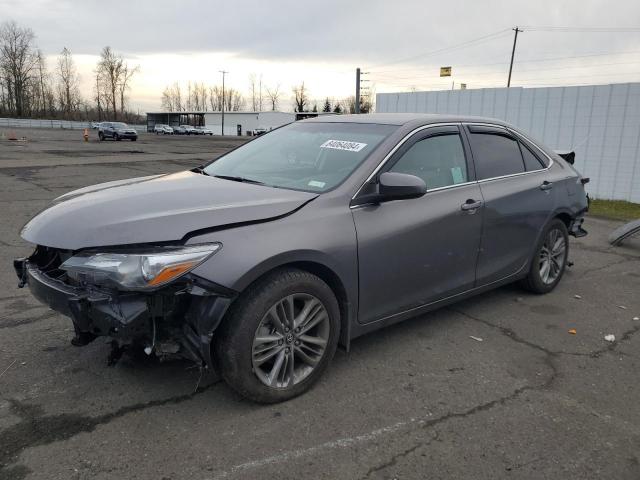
{"x": 263, "y": 261}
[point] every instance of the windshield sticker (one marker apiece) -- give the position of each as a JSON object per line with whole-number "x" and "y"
{"x": 343, "y": 145}
{"x": 314, "y": 183}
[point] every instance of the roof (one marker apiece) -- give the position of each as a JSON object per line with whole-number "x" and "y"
{"x": 402, "y": 118}
{"x": 227, "y": 112}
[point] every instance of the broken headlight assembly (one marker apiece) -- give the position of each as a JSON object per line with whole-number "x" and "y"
{"x": 137, "y": 270}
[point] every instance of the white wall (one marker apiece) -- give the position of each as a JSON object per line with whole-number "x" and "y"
{"x": 249, "y": 121}
{"x": 601, "y": 123}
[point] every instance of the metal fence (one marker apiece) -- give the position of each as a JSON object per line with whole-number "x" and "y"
{"x": 57, "y": 124}
{"x": 601, "y": 123}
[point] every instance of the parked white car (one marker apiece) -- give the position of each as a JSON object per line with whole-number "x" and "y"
{"x": 190, "y": 129}
{"x": 204, "y": 131}
{"x": 162, "y": 129}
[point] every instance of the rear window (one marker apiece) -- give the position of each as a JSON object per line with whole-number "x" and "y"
{"x": 495, "y": 155}
{"x": 531, "y": 161}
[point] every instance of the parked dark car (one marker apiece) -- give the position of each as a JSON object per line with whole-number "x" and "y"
{"x": 117, "y": 131}
{"x": 266, "y": 259}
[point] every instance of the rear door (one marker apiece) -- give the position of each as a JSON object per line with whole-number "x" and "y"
{"x": 518, "y": 200}
{"x": 416, "y": 251}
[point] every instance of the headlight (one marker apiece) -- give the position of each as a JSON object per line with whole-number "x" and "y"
{"x": 139, "y": 270}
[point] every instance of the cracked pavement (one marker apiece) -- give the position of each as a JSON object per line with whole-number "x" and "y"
{"x": 421, "y": 399}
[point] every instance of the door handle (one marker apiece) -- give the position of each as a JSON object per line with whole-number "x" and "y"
{"x": 470, "y": 205}
{"x": 546, "y": 185}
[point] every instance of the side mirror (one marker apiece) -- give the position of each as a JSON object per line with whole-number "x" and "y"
{"x": 397, "y": 186}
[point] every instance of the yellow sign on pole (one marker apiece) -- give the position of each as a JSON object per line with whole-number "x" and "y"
{"x": 445, "y": 71}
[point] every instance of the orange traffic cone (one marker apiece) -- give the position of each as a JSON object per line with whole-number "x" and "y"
{"x": 86, "y": 134}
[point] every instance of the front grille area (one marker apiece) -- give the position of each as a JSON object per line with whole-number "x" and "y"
{"x": 48, "y": 261}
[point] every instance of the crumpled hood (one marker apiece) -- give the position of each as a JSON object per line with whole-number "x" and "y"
{"x": 159, "y": 208}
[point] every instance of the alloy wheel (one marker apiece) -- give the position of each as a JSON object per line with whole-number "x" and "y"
{"x": 290, "y": 340}
{"x": 552, "y": 256}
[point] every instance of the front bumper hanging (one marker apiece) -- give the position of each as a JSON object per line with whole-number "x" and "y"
{"x": 176, "y": 321}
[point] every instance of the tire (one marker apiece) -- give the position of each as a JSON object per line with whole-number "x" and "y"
{"x": 238, "y": 356}
{"x": 116, "y": 137}
{"x": 101, "y": 136}
{"x": 134, "y": 139}
{"x": 547, "y": 267}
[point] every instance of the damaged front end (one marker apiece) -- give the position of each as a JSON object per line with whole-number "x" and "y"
{"x": 163, "y": 309}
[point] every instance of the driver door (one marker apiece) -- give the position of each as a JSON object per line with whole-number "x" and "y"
{"x": 416, "y": 251}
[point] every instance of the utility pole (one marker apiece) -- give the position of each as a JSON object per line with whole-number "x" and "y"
{"x": 357, "y": 90}
{"x": 513, "y": 52}
{"x": 223, "y": 72}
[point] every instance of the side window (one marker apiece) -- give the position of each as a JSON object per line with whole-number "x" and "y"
{"x": 495, "y": 155}
{"x": 531, "y": 162}
{"x": 438, "y": 160}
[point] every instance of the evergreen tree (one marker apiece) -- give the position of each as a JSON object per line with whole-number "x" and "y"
{"x": 327, "y": 105}
{"x": 337, "y": 108}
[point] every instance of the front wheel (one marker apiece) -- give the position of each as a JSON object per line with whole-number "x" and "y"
{"x": 279, "y": 337}
{"x": 550, "y": 259}
{"x": 116, "y": 137}
{"x": 101, "y": 136}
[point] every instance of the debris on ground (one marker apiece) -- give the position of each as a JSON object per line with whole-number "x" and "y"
{"x": 610, "y": 338}
{"x": 622, "y": 307}
{"x": 573, "y": 331}
{"x": 477, "y": 339}
{"x": 636, "y": 318}
{"x": 577, "y": 296}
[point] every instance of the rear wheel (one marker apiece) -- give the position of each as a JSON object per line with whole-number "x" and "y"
{"x": 280, "y": 337}
{"x": 100, "y": 136}
{"x": 550, "y": 259}
{"x": 116, "y": 137}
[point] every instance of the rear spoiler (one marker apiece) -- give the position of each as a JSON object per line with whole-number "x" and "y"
{"x": 569, "y": 157}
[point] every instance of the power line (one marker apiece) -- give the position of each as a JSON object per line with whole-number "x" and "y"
{"x": 537, "y": 60}
{"x": 474, "y": 41}
{"x": 482, "y": 73}
{"x": 581, "y": 29}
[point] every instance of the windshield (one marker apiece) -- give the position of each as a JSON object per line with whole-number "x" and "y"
{"x": 119, "y": 125}
{"x": 314, "y": 157}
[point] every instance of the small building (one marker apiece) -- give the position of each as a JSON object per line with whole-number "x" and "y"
{"x": 235, "y": 123}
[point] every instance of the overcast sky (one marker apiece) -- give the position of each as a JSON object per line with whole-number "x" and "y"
{"x": 323, "y": 41}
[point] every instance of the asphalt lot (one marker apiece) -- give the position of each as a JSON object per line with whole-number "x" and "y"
{"x": 421, "y": 399}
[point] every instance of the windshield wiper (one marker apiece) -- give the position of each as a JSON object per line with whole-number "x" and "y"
{"x": 239, "y": 179}
{"x": 200, "y": 170}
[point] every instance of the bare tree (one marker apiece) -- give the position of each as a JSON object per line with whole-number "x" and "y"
{"x": 199, "y": 97}
{"x": 110, "y": 71}
{"x": 68, "y": 93}
{"x": 273, "y": 94}
{"x": 124, "y": 85}
{"x": 45, "y": 97}
{"x": 255, "y": 89}
{"x": 301, "y": 98}
{"x": 172, "y": 98}
{"x": 18, "y": 61}
{"x": 215, "y": 98}
{"x": 114, "y": 77}
{"x": 234, "y": 101}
